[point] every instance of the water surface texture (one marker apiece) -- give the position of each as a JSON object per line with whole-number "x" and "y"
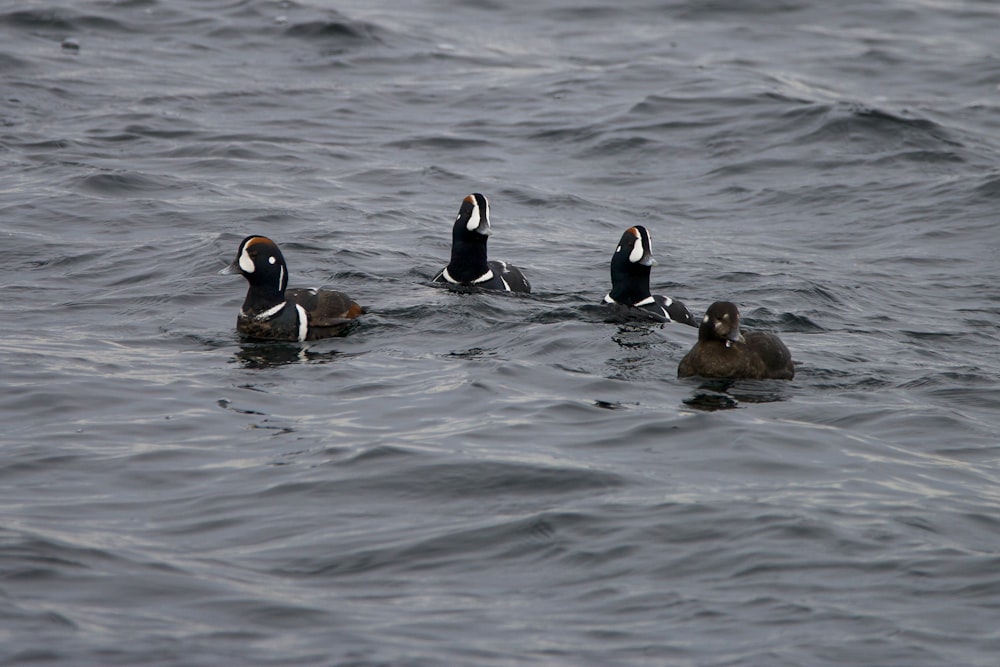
{"x": 482, "y": 479}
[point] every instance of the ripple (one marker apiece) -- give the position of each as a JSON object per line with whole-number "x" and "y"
{"x": 125, "y": 184}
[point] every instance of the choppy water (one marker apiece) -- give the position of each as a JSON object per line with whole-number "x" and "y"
{"x": 481, "y": 479}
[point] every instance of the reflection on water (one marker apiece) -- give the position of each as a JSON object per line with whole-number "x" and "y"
{"x": 725, "y": 394}
{"x": 635, "y": 335}
{"x": 639, "y": 358}
{"x": 474, "y": 353}
{"x": 710, "y": 401}
{"x": 269, "y": 355}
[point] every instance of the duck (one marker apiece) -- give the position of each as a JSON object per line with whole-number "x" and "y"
{"x": 630, "y": 295}
{"x": 273, "y": 312}
{"x": 469, "y": 266}
{"x": 724, "y": 351}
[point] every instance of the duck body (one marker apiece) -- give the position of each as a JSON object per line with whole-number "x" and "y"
{"x": 722, "y": 351}
{"x": 630, "y": 295}
{"x": 273, "y": 312}
{"x": 469, "y": 265}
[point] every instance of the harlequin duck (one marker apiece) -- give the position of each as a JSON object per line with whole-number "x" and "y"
{"x": 723, "y": 352}
{"x": 270, "y": 312}
{"x": 630, "y": 281}
{"x": 468, "y": 265}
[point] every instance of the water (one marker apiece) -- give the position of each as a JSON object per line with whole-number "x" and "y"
{"x": 483, "y": 479}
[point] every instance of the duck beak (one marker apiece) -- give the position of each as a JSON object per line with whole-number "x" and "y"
{"x": 647, "y": 260}
{"x": 232, "y": 269}
{"x": 733, "y": 337}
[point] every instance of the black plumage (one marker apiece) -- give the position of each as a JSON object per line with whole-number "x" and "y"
{"x": 630, "y": 295}
{"x": 273, "y": 312}
{"x": 469, "y": 265}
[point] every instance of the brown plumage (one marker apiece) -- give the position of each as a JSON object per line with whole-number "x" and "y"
{"x": 723, "y": 352}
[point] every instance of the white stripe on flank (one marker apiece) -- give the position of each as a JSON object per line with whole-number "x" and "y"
{"x": 303, "y": 322}
{"x": 645, "y": 302}
{"x": 608, "y": 299}
{"x": 447, "y": 277}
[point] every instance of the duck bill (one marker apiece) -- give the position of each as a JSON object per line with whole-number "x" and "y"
{"x": 733, "y": 337}
{"x": 647, "y": 260}
{"x": 230, "y": 270}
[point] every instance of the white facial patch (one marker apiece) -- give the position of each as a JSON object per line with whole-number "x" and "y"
{"x": 473, "y": 223}
{"x": 271, "y": 259}
{"x": 246, "y": 263}
{"x": 636, "y": 255}
{"x": 705, "y": 319}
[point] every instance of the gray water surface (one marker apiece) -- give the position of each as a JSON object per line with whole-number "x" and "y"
{"x": 484, "y": 479}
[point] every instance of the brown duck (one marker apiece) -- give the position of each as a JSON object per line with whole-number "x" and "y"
{"x": 723, "y": 352}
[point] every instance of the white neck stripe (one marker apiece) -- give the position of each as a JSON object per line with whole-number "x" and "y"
{"x": 269, "y": 313}
{"x": 483, "y": 278}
